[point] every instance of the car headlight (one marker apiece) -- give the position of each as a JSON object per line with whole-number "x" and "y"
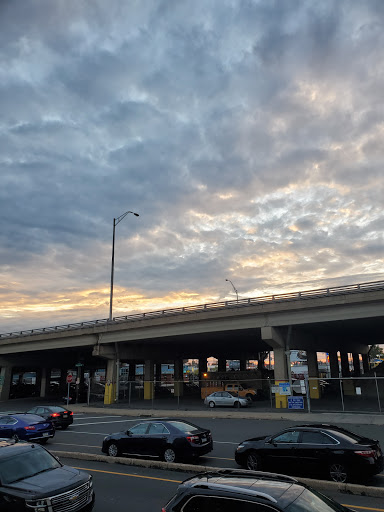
{"x": 90, "y": 483}
{"x": 38, "y": 506}
{"x": 240, "y": 446}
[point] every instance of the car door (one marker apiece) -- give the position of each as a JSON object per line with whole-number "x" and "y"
{"x": 155, "y": 439}
{"x": 281, "y": 450}
{"x": 226, "y": 399}
{"x": 314, "y": 451}
{"x": 132, "y": 441}
{"x": 6, "y": 429}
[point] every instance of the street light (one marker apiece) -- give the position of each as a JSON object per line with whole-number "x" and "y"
{"x": 115, "y": 223}
{"x": 233, "y": 286}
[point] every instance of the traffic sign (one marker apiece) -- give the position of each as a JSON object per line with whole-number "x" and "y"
{"x": 69, "y": 378}
{"x": 79, "y": 364}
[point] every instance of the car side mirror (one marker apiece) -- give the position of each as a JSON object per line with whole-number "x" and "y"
{"x": 129, "y": 433}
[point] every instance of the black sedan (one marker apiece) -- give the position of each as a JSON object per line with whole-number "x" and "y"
{"x": 171, "y": 440}
{"x": 313, "y": 449}
{"x": 59, "y": 416}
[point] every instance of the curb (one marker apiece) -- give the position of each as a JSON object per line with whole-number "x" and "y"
{"x": 320, "y": 485}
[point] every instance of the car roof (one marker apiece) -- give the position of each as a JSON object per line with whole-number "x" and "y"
{"x": 269, "y": 486}
{"x": 21, "y": 416}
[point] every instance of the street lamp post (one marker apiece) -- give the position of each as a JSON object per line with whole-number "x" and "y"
{"x": 115, "y": 223}
{"x": 233, "y": 286}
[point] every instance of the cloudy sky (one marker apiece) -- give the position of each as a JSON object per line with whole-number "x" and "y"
{"x": 247, "y": 134}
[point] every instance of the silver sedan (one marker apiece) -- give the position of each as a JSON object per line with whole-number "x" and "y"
{"x": 225, "y": 399}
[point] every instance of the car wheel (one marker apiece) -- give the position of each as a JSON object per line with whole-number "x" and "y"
{"x": 16, "y": 438}
{"x": 113, "y": 450}
{"x": 237, "y": 404}
{"x": 212, "y": 404}
{"x": 253, "y": 461}
{"x": 169, "y": 455}
{"x": 338, "y": 472}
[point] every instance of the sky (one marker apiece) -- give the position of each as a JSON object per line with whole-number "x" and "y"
{"x": 248, "y": 135}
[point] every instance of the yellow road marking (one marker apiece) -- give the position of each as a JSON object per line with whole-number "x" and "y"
{"x": 364, "y": 508}
{"x": 130, "y": 474}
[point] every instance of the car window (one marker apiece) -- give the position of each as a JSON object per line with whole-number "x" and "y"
{"x": 40, "y": 410}
{"x": 139, "y": 429}
{"x": 25, "y": 465}
{"x": 157, "y": 428}
{"x": 32, "y": 411}
{"x": 315, "y": 502}
{"x": 184, "y": 427}
{"x": 227, "y": 395}
{"x": 291, "y": 436}
{"x": 222, "y": 504}
{"x": 316, "y": 438}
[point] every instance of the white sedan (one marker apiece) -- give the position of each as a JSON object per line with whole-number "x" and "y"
{"x": 225, "y": 399}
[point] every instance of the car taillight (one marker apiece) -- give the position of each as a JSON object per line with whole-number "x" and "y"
{"x": 55, "y": 415}
{"x": 29, "y": 427}
{"x": 366, "y": 453}
{"x": 193, "y": 439}
{"x": 71, "y": 413}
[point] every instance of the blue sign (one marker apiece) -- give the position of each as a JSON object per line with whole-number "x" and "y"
{"x": 295, "y": 402}
{"x": 284, "y": 388}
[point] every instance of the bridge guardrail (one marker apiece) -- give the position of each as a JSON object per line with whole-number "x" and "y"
{"x": 230, "y": 304}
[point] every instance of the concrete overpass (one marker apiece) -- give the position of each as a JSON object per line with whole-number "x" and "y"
{"x": 335, "y": 320}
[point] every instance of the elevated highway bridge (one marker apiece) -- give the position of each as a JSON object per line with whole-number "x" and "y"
{"x": 339, "y": 320}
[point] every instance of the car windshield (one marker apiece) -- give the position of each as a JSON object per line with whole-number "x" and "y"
{"x": 315, "y": 502}
{"x": 56, "y": 409}
{"x": 184, "y": 427}
{"x": 27, "y": 464}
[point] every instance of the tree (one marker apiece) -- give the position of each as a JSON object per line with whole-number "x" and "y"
{"x": 376, "y": 352}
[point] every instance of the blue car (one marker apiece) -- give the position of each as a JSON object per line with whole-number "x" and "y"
{"x": 28, "y": 427}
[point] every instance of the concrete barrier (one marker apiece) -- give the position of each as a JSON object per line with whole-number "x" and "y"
{"x": 321, "y": 485}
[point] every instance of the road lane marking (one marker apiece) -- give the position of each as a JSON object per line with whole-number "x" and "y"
{"x": 118, "y": 421}
{"x": 129, "y": 474}
{"x": 225, "y": 442}
{"x": 85, "y": 445}
{"x": 95, "y": 433}
{"x": 218, "y": 458}
{"x": 363, "y": 508}
{"x": 96, "y": 417}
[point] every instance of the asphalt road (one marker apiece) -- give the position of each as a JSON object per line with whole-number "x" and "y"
{"x": 120, "y": 488}
{"x": 88, "y": 430}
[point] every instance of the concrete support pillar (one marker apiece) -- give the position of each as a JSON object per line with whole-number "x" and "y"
{"x": 148, "y": 379}
{"x": 158, "y": 372}
{"x": 243, "y": 365}
{"x": 313, "y": 374}
{"x": 365, "y": 363}
{"x": 356, "y": 364}
{"x": 5, "y": 382}
{"x": 281, "y": 369}
{"x": 178, "y": 377}
{"x": 221, "y": 365}
{"x": 132, "y": 371}
{"x": 334, "y": 365}
{"x": 43, "y": 382}
{"x": 344, "y": 364}
{"x": 203, "y": 366}
{"x": 110, "y": 382}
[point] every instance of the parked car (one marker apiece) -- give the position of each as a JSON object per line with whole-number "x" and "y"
{"x": 248, "y": 491}
{"x": 59, "y": 416}
{"x": 322, "y": 449}
{"x": 170, "y": 440}
{"x": 225, "y": 399}
{"x": 28, "y": 427}
{"x": 33, "y": 479}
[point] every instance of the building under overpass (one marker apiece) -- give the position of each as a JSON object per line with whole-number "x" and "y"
{"x": 340, "y": 321}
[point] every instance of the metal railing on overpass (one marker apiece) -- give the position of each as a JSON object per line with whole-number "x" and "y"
{"x": 199, "y": 308}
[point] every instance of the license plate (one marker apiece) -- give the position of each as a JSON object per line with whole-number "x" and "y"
{"x": 46, "y": 434}
{"x": 203, "y": 439}
{"x": 65, "y": 415}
